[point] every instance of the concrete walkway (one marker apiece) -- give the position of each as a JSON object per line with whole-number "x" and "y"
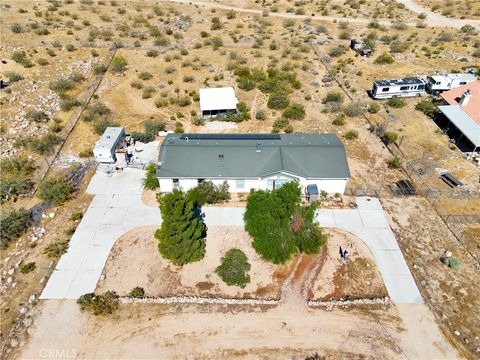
{"x": 368, "y": 222}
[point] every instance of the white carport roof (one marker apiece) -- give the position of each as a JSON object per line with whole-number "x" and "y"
{"x": 463, "y": 122}
{"x": 218, "y": 99}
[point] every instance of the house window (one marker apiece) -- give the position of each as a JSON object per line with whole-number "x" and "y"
{"x": 176, "y": 183}
{"x": 385, "y": 89}
{"x": 240, "y": 184}
{"x": 276, "y": 184}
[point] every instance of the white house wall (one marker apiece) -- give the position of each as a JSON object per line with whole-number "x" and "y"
{"x": 329, "y": 185}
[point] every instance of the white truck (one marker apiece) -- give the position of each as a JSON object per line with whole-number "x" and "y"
{"x": 438, "y": 83}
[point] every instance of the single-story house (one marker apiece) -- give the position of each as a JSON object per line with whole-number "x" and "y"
{"x": 460, "y": 116}
{"x": 253, "y": 161}
{"x": 217, "y": 101}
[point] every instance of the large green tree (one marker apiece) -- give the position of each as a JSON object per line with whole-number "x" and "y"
{"x": 182, "y": 234}
{"x": 280, "y": 225}
{"x": 234, "y": 268}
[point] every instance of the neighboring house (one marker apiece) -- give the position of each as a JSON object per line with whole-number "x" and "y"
{"x": 460, "y": 119}
{"x": 217, "y": 101}
{"x": 253, "y": 161}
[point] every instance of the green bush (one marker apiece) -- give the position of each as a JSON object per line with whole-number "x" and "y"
{"x": 28, "y": 267}
{"x": 76, "y": 216}
{"x": 95, "y": 110}
{"x": 13, "y": 224}
{"x": 390, "y": 137}
{"x": 45, "y": 144}
{"x": 384, "y": 59}
{"x": 15, "y": 173}
{"x": 279, "y": 225}
{"x": 137, "y": 292}
{"x": 152, "y": 53}
{"x": 428, "y": 107}
{"x": 55, "y": 190}
{"x": 143, "y": 136}
{"x": 452, "y": 262}
{"x": 333, "y": 97}
{"x": 13, "y": 76}
{"x": 208, "y": 193}
{"x": 56, "y": 249}
{"x": 373, "y": 108}
{"x": 67, "y": 103}
{"x": 20, "y": 57}
{"x": 234, "y": 268}
{"x": 337, "y": 51}
{"x": 61, "y": 85}
{"x": 294, "y": 112}
{"x": 150, "y": 181}
{"x": 86, "y": 153}
{"x": 37, "y": 116}
{"x": 353, "y": 109}
{"x": 42, "y": 62}
{"x": 119, "y": 64}
{"x": 351, "y": 135}
{"x": 278, "y": 100}
{"x": 145, "y": 75}
{"x": 182, "y": 233}
{"x": 102, "y": 304}
{"x": 260, "y": 115}
{"x": 396, "y": 102}
{"x": 394, "y": 163}
{"x": 398, "y": 47}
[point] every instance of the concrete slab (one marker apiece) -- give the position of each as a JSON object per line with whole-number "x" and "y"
{"x": 326, "y": 218}
{"x": 348, "y": 219}
{"x": 222, "y": 216}
{"x": 374, "y": 219}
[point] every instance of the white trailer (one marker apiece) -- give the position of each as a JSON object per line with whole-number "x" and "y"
{"x": 104, "y": 150}
{"x": 385, "y": 89}
{"x": 439, "y": 83}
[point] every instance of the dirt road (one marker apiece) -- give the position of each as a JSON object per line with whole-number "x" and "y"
{"x": 433, "y": 19}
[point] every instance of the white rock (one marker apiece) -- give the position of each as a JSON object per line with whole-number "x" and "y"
{"x": 456, "y": 332}
{"x": 448, "y": 254}
{"x": 23, "y": 310}
{"x": 51, "y": 215}
{"x": 14, "y": 343}
{"x": 9, "y": 280}
{"x": 11, "y": 271}
{"x": 31, "y": 299}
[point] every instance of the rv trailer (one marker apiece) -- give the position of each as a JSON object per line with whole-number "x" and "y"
{"x": 385, "y": 89}
{"x": 439, "y": 83}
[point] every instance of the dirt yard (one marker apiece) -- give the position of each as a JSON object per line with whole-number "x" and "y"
{"x": 216, "y": 332}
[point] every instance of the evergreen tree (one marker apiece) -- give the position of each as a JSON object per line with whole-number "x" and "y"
{"x": 234, "y": 268}
{"x": 182, "y": 234}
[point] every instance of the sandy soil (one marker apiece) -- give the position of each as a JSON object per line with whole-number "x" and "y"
{"x": 135, "y": 261}
{"x": 211, "y": 332}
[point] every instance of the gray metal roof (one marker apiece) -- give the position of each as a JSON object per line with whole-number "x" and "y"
{"x": 315, "y": 156}
{"x": 463, "y": 122}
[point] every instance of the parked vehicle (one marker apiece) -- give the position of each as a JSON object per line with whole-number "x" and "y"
{"x": 385, "y": 89}
{"x": 360, "y": 47}
{"x": 439, "y": 83}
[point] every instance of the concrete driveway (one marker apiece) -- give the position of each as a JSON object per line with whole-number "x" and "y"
{"x": 368, "y": 222}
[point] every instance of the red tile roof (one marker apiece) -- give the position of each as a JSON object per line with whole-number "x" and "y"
{"x": 473, "y": 107}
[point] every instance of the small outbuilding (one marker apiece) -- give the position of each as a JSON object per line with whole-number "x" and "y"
{"x": 217, "y": 101}
{"x": 104, "y": 150}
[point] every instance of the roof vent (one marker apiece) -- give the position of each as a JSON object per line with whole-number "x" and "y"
{"x": 258, "y": 148}
{"x": 465, "y": 98}
{"x": 220, "y": 156}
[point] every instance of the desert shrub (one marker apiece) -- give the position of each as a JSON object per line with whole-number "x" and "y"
{"x": 339, "y": 120}
{"x": 384, "y": 59}
{"x": 78, "y": 215}
{"x": 389, "y": 137}
{"x": 44, "y": 145}
{"x": 61, "y": 85}
{"x": 179, "y": 129}
{"x": 56, "y": 249}
{"x": 11, "y": 188}
{"x": 152, "y": 53}
{"x": 148, "y": 91}
{"x": 396, "y": 102}
{"x": 260, "y": 115}
{"x": 160, "y": 102}
{"x": 337, "y": 51}
{"x": 373, "y": 108}
{"x": 55, "y": 190}
{"x": 99, "y": 305}
{"x": 428, "y": 107}
{"x": 150, "y": 181}
{"x": 143, "y": 137}
{"x": 86, "y": 153}
{"x": 398, "y": 46}
{"x": 234, "y": 268}
{"x": 13, "y": 76}
{"x": 20, "y": 57}
{"x": 42, "y": 62}
{"x": 137, "y": 292}
{"x": 119, "y": 64}
{"x": 70, "y": 47}
{"x": 145, "y": 75}
{"x": 16, "y": 28}
{"x": 208, "y": 193}
{"x": 99, "y": 69}
{"x": 452, "y": 262}
{"x": 37, "y": 116}
{"x": 394, "y": 163}
{"x": 333, "y": 96}
{"x": 13, "y": 224}
{"x": 351, "y": 135}
{"x": 216, "y": 24}
{"x": 182, "y": 233}
{"x": 353, "y": 109}
{"x": 294, "y": 112}
{"x": 183, "y": 101}
{"x": 100, "y": 125}
{"x": 15, "y": 173}
{"x": 67, "y": 103}
{"x": 136, "y": 84}
{"x": 95, "y": 110}
{"x": 278, "y": 100}
{"x": 468, "y": 29}
{"x": 28, "y": 267}
{"x": 188, "y": 78}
